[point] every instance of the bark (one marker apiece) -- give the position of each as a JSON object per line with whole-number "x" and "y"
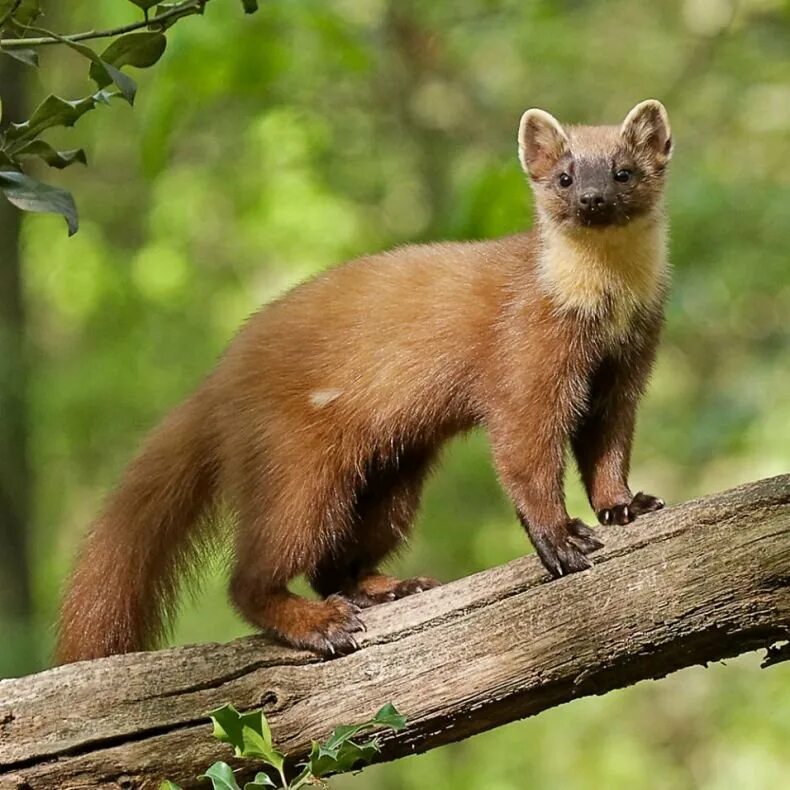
{"x": 699, "y": 582}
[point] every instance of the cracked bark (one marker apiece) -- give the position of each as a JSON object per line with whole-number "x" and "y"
{"x": 699, "y": 582}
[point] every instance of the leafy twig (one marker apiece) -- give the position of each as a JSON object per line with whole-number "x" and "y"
{"x": 182, "y": 9}
{"x": 128, "y": 48}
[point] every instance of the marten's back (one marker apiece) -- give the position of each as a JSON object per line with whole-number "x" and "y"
{"x": 382, "y": 340}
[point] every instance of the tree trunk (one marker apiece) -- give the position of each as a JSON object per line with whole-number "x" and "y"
{"x": 699, "y": 582}
{"x": 17, "y": 647}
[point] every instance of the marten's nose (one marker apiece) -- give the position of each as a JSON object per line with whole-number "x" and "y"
{"x": 592, "y": 200}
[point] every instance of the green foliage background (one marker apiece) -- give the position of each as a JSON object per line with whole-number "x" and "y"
{"x": 265, "y": 148}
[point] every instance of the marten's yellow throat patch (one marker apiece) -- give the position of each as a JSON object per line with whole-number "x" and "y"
{"x": 617, "y": 269}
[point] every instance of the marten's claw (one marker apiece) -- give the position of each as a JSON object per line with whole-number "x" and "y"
{"x": 335, "y": 636}
{"x": 645, "y": 503}
{"x": 619, "y": 514}
{"x": 378, "y": 589}
{"x": 583, "y": 537}
{"x": 416, "y": 585}
{"x": 567, "y": 553}
{"x": 625, "y": 513}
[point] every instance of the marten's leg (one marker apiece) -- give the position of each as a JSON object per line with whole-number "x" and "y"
{"x": 536, "y": 486}
{"x": 283, "y": 533}
{"x": 386, "y": 508}
{"x": 602, "y": 440}
{"x": 531, "y": 418}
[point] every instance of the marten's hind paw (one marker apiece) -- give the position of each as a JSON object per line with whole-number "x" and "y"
{"x": 381, "y": 589}
{"x": 333, "y": 633}
{"x": 567, "y": 552}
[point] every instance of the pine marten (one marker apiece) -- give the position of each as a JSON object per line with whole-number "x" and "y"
{"x": 323, "y": 418}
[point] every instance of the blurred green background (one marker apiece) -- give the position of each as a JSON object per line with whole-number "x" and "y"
{"x": 266, "y": 148}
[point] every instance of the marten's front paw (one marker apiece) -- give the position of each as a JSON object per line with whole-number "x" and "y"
{"x": 617, "y": 514}
{"x": 566, "y": 551}
{"x": 626, "y": 513}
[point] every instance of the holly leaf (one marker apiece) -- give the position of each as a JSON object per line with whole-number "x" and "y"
{"x": 51, "y": 156}
{"x": 341, "y": 757}
{"x": 261, "y": 782}
{"x": 248, "y": 733}
{"x": 53, "y": 111}
{"x": 227, "y": 726}
{"x": 221, "y": 776}
{"x": 29, "y": 194}
{"x": 340, "y": 753}
{"x": 27, "y": 56}
{"x": 389, "y": 716}
{"x": 352, "y": 755}
{"x": 168, "y": 785}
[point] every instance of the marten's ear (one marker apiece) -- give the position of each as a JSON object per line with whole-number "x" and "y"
{"x": 646, "y": 128}
{"x": 541, "y": 142}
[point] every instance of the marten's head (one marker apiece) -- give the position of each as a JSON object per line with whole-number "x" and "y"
{"x": 596, "y": 176}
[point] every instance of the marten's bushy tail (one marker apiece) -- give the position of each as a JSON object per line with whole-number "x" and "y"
{"x": 123, "y": 590}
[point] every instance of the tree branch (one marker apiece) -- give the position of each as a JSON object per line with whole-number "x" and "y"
{"x": 185, "y": 8}
{"x": 699, "y": 582}
{"x": 10, "y": 13}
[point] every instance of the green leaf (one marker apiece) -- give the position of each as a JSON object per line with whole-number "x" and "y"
{"x": 27, "y": 56}
{"x": 250, "y": 6}
{"x": 248, "y": 733}
{"x": 125, "y": 84}
{"x": 162, "y": 8}
{"x": 221, "y": 776}
{"x": 53, "y": 111}
{"x": 321, "y": 760}
{"x": 227, "y": 726}
{"x": 168, "y": 785}
{"x": 135, "y": 49}
{"x": 144, "y": 4}
{"x": 29, "y": 194}
{"x": 52, "y": 157}
{"x": 340, "y": 753}
{"x": 353, "y": 755}
{"x": 389, "y": 716}
{"x": 260, "y": 782}
{"x": 341, "y": 757}
{"x": 344, "y": 733}
{"x": 102, "y": 73}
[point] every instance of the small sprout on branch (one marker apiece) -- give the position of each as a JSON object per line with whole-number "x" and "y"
{"x": 251, "y": 738}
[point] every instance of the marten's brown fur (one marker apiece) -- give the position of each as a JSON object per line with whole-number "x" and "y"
{"x": 320, "y": 423}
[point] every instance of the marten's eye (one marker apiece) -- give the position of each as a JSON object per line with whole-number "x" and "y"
{"x": 622, "y": 176}
{"x": 565, "y": 180}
